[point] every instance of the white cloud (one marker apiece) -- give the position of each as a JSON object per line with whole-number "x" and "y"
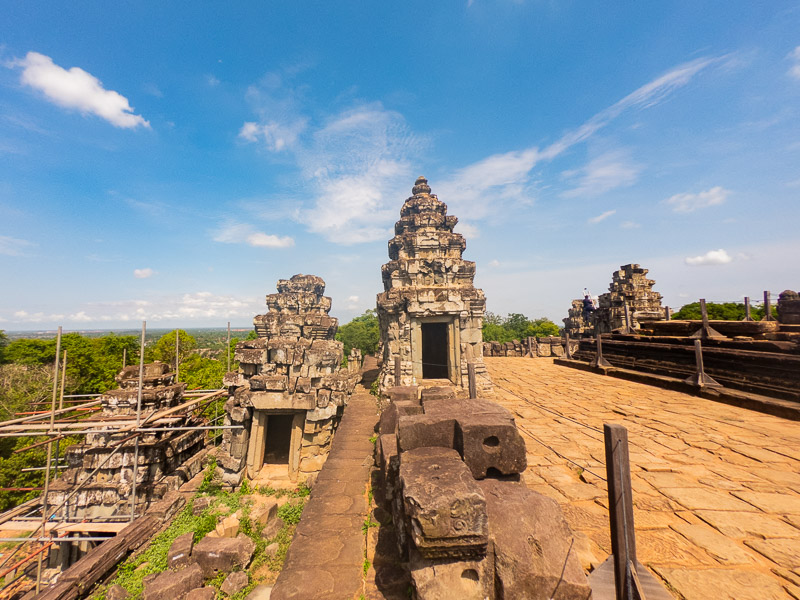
{"x": 77, "y": 89}
{"x": 468, "y": 230}
{"x": 601, "y": 217}
{"x": 12, "y": 246}
{"x": 629, "y": 225}
{"x": 494, "y": 263}
{"x": 352, "y": 303}
{"x": 212, "y": 81}
{"x": 356, "y": 166}
{"x": 604, "y": 173}
{"x": 685, "y": 203}
{"x": 276, "y": 136}
{"x": 241, "y": 233}
{"x": 794, "y": 56}
{"x": 712, "y": 257}
{"x": 143, "y": 273}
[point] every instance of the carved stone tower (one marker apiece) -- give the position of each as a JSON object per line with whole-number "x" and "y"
{"x": 430, "y": 313}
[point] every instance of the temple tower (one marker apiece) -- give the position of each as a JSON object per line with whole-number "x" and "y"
{"x": 430, "y": 313}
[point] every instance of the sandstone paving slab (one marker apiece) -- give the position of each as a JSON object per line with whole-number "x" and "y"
{"x": 701, "y": 498}
{"x": 741, "y": 525}
{"x": 711, "y": 431}
{"x": 774, "y": 502}
{"x": 665, "y": 546}
{"x": 722, "y": 584}
{"x": 724, "y": 550}
{"x": 784, "y": 552}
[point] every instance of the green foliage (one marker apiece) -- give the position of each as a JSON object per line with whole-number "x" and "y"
{"x": 202, "y": 373}
{"x": 132, "y": 572}
{"x": 367, "y": 525}
{"x": 290, "y": 512}
{"x": 362, "y": 332}
{"x": 3, "y": 344}
{"x": 726, "y": 311}
{"x": 211, "y": 483}
{"x": 92, "y": 363}
{"x": 375, "y": 388}
{"x": 164, "y": 349}
{"x": 516, "y": 326}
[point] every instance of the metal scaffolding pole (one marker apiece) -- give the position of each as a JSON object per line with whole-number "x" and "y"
{"x": 49, "y": 455}
{"x": 138, "y": 422}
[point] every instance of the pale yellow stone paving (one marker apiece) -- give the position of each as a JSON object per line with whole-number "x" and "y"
{"x": 716, "y": 488}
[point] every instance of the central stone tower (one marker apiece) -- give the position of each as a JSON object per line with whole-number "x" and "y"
{"x": 430, "y": 313}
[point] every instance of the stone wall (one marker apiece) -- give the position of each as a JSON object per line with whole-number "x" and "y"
{"x": 292, "y": 368}
{"x": 789, "y": 307}
{"x": 542, "y": 346}
{"x": 427, "y": 282}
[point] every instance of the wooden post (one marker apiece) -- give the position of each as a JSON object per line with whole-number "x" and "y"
{"x": 628, "y": 329}
{"x": 667, "y": 314}
{"x": 768, "y": 307}
{"x": 747, "y": 316}
{"x": 398, "y": 378}
{"x": 620, "y": 506}
{"x": 473, "y": 387}
{"x": 599, "y": 361}
{"x": 530, "y": 347}
{"x": 700, "y": 379}
{"x": 705, "y": 330}
{"x": 124, "y": 357}
{"x": 567, "y": 351}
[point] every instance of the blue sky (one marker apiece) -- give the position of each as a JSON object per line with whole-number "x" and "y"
{"x": 170, "y": 162}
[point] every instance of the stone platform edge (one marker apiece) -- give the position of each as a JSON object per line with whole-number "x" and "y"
{"x": 785, "y": 409}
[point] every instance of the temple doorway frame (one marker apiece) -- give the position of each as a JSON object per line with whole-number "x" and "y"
{"x": 258, "y": 441}
{"x": 453, "y": 343}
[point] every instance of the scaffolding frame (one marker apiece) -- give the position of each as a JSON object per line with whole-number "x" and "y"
{"x": 54, "y": 521}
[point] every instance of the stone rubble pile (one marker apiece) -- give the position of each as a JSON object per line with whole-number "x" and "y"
{"x": 161, "y": 454}
{"x": 426, "y": 280}
{"x": 451, "y": 470}
{"x": 292, "y": 367}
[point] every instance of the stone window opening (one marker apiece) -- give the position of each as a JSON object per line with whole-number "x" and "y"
{"x": 277, "y": 440}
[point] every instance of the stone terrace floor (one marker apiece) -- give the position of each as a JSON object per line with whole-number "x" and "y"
{"x": 716, "y": 488}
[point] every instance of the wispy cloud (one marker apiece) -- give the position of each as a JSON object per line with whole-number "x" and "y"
{"x": 712, "y": 257}
{"x": 507, "y": 177}
{"x": 601, "y": 217}
{"x": 794, "y": 57}
{"x": 201, "y": 305}
{"x": 242, "y": 233}
{"x": 603, "y": 173}
{"x": 145, "y": 273}
{"x": 275, "y": 136}
{"x": 685, "y": 203}
{"x": 10, "y": 246}
{"x": 629, "y": 225}
{"x": 77, "y": 89}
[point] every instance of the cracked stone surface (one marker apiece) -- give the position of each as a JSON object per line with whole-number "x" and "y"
{"x": 716, "y": 488}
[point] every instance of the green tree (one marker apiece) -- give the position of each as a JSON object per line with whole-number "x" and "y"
{"x": 362, "y": 332}
{"x": 202, "y": 373}
{"x": 164, "y": 349}
{"x": 726, "y": 311}
{"x": 516, "y": 326}
{"x": 3, "y": 344}
{"x": 543, "y": 327}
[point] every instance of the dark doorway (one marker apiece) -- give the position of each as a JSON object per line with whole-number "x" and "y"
{"x": 434, "y": 351}
{"x": 278, "y": 439}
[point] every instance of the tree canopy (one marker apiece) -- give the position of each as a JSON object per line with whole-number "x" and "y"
{"x": 362, "y": 332}
{"x": 164, "y": 349}
{"x": 516, "y": 326}
{"x": 726, "y": 311}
